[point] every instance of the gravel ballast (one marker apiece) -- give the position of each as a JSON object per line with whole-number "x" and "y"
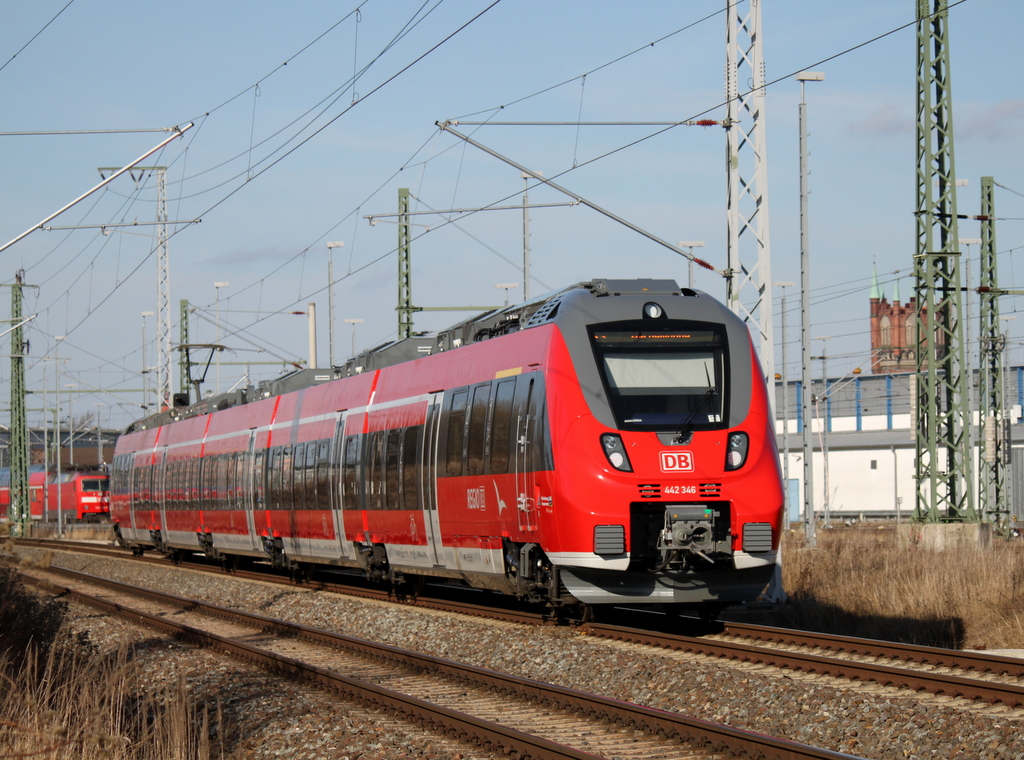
{"x": 273, "y": 718}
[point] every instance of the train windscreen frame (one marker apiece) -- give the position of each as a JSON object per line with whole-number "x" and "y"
{"x": 95, "y": 485}
{"x": 664, "y": 375}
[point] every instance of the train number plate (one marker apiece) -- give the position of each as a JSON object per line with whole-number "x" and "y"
{"x": 677, "y": 461}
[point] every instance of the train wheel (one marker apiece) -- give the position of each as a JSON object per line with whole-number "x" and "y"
{"x": 709, "y": 613}
{"x": 408, "y": 588}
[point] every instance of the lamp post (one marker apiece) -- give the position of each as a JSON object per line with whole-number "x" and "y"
{"x": 330, "y": 296}
{"x": 506, "y": 286}
{"x": 825, "y": 424}
{"x": 785, "y": 408}
{"x": 691, "y": 244}
{"x": 218, "y": 286}
{"x": 353, "y": 322}
{"x": 56, "y": 429}
{"x": 805, "y": 317}
{"x": 71, "y": 423}
{"x": 526, "y": 233}
{"x": 99, "y": 435}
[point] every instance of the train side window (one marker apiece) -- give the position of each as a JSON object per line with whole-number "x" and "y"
{"x": 276, "y": 498}
{"x": 524, "y": 424}
{"x": 477, "y": 430}
{"x": 241, "y": 486}
{"x": 209, "y": 470}
{"x": 392, "y": 449}
{"x": 299, "y": 476}
{"x": 501, "y": 425}
{"x": 287, "y": 476}
{"x": 455, "y": 440}
{"x": 205, "y": 482}
{"x": 374, "y": 480}
{"x": 259, "y": 484}
{"x": 310, "y": 477}
{"x": 410, "y": 468}
{"x": 224, "y": 480}
{"x": 230, "y": 480}
{"x": 350, "y": 473}
{"x": 322, "y": 474}
{"x": 270, "y": 467}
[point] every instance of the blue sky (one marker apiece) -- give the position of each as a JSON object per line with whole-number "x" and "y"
{"x": 286, "y": 155}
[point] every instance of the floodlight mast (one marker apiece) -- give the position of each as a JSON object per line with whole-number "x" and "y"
{"x": 330, "y": 295}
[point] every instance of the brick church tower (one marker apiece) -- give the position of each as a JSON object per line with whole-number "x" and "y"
{"x": 893, "y": 331}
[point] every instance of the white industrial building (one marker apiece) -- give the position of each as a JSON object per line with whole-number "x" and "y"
{"x": 865, "y": 424}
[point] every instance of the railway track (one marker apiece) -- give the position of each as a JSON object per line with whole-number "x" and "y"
{"x": 510, "y": 714}
{"x": 978, "y": 676}
{"x": 1008, "y": 690}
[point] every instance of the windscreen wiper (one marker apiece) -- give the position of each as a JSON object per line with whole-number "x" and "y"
{"x": 687, "y": 426}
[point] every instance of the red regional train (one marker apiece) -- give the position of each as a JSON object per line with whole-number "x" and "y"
{"x": 609, "y": 443}
{"x": 82, "y": 496}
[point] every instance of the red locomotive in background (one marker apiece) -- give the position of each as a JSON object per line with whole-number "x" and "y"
{"x": 609, "y": 443}
{"x": 79, "y": 496}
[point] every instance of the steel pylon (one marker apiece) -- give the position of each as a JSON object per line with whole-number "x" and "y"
{"x": 749, "y": 276}
{"x": 994, "y": 482}
{"x": 942, "y": 421}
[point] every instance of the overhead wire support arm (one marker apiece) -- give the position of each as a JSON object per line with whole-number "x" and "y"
{"x": 688, "y": 123}
{"x": 115, "y": 226}
{"x": 374, "y": 218}
{"x": 178, "y": 132}
{"x": 446, "y": 126}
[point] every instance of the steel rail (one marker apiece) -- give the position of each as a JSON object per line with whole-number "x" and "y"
{"x": 937, "y": 656}
{"x": 896, "y": 677}
{"x": 884, "y": 675}
{"x": 711, "y": 735}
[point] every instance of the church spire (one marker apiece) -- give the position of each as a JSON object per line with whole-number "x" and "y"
{"x": 875, "y": 291}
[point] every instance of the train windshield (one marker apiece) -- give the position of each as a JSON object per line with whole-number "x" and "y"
{"x": 94, "y": 484}
{"x": 663, "y": 376}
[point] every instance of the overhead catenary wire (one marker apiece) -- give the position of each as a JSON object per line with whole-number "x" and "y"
{"x": 345, "y": 218}
{"x": 376, "y": 89}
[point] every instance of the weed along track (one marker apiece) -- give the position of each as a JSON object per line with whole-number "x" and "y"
{"x": 505, "y": 713}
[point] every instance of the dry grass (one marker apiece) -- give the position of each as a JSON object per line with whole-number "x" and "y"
{"x": 75, "y": 531}
{"x": 73, "y": 705}
{"x": 866, "y": 582}
{"x": 61, "y": 699}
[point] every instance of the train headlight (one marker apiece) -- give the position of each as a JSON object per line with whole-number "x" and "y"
{"x": 615, "y": 452}
{"x": 653, "y": 311}
{"x": 736, "y": 453}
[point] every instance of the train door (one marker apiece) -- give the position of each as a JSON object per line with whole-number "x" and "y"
{"x": 525, "y": 456}
{"x": 254, "y": 496}
{"x": 124, "y": 480}
{"x": 157, "y": 493}
{"x": 428, "y": 465}
{"x": 336, "y": 486}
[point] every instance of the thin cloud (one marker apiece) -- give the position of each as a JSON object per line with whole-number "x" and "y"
{"x": 998, "y": 123}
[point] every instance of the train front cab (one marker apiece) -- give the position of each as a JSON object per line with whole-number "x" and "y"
{"x": 668, "y": 483}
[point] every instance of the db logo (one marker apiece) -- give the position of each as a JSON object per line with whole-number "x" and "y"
{"x": 677, "y": 461}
